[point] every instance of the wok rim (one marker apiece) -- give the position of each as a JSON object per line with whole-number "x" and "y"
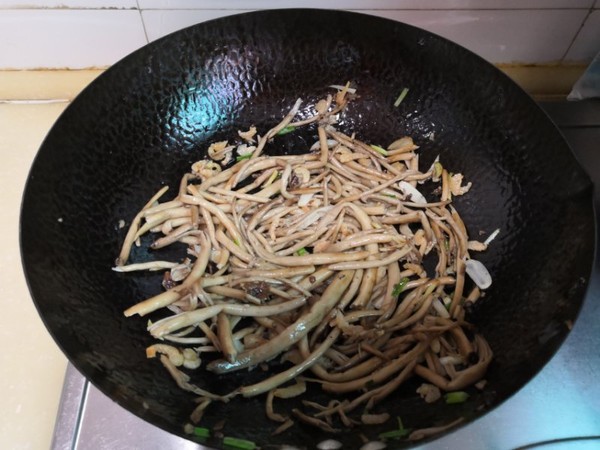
{"x": 149, "y": 47}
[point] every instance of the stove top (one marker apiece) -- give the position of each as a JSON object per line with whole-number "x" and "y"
{"x": 558, "y": 409}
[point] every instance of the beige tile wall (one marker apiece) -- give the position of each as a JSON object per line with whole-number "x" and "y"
{"x": 96, "y": 33}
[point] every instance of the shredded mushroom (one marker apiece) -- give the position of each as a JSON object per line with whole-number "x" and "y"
{"x": 317, "y": 259}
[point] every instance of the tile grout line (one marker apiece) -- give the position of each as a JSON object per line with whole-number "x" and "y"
{"x": 137, "y": 2}
{"x": 335, "y": 9}
{"x": 590, "y": 10}
{"x": 246, "y": 8}
{"x": 33, "y": 101}
{"x": 67, "y": 8}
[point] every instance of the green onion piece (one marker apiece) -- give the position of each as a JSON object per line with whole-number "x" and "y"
{"x": 456, "y": 397}
{"x": 437, "y": 169}
{"x": 395, "y": 434}
{"x": 243, "y": 157}
{"x": 302, "y": 251}
{"x": 447, "y": 244}
{"x": 448, "y": 300}
{"x": 399, "y": 287}
{"x": 201, "y": 432}
{"x": 236, "y": 242}
{"x": 239, "y": 443}
{"x": 401, "y": 97}
{"x": 390, "y": 195}
{"x": 286, "y": 130}
{"x": 379, "y": 149}
{"x": 400, "y": 424}
{"x": 272, "y": 178}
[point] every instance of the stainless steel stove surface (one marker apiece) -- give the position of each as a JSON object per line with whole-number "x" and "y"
{"x": 558, "y": 409}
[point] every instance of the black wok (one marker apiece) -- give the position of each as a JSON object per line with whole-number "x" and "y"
{"x": 144, "y": 121}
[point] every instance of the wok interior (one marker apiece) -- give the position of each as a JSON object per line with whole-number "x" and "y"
{"x": 148, "y": 118}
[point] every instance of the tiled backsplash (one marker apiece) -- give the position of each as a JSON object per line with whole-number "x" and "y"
{"x": 96, "y": 33}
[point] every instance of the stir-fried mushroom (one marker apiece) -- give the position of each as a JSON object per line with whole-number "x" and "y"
{"x": 317, "y": 259}
{"x": 258, "y": 289}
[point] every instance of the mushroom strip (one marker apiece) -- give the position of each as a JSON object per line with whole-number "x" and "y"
{"x": 315, "y": 260}
{"x": 280, "y": 378}
{"x": 170, "y": 324}
{"x": 293, "y": 333}
{"x": 133, "y": 228}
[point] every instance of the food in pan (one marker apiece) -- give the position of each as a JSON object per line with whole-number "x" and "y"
{"x": 316, "y": 259}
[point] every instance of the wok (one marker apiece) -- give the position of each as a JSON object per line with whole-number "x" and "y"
{"x": 145, "y": 120}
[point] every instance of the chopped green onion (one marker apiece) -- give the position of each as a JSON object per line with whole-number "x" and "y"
{"x": 201, "y": 432}
{"x": 396, "y": 434}
{"x": 447, "y": 244}
{"x": 456, "y": 397}
{"x": 302, "y": 251}
{"x": 243, "y": 157}
{"x": 437, "y": 169}
{"x": 390, "y": 195}
{"x": 236, "y": 242}
{"x": 399, "y": 287}
{"x": 239, "y": 443}
{"x": 401, "y": 97}
{"x": 286, "y": 130}
{"x": 272, "y": 178}
{"x": 379, "y": 149}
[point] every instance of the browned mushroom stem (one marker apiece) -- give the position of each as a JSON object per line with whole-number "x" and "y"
{"x": 293, "y": 333}
{"x": 423, "y": 433}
